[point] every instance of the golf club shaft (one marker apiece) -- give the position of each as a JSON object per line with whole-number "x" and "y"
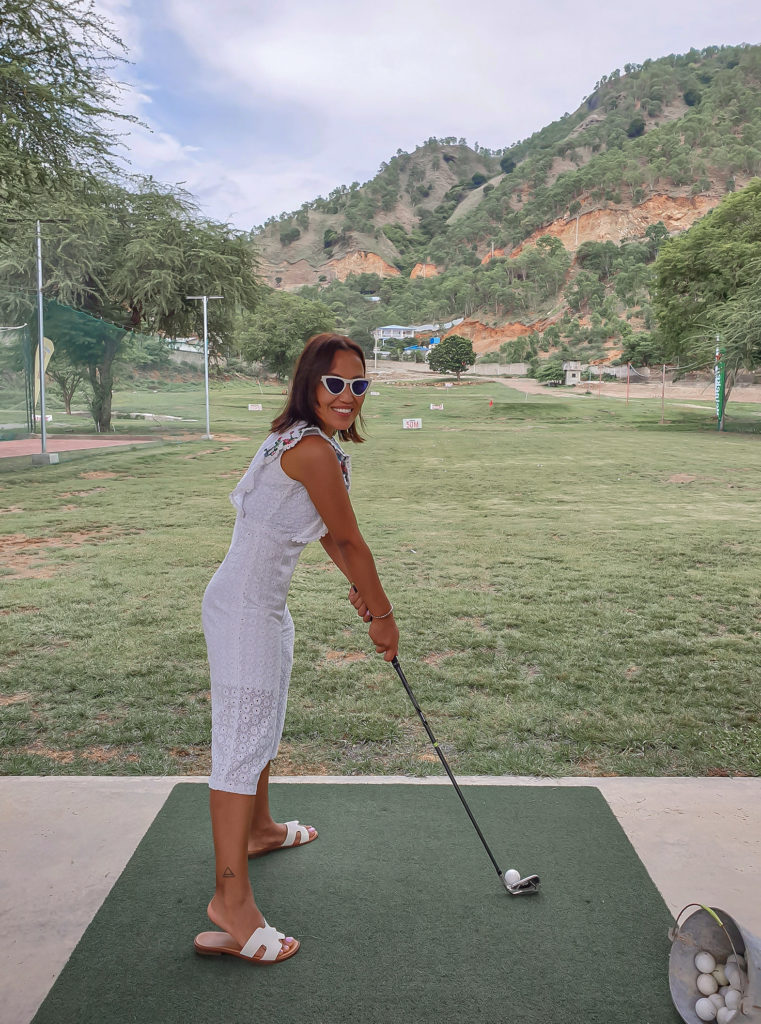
{"x": 437, "y": 748}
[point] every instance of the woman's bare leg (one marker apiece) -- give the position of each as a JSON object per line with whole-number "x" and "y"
{"x": 232, "y": 907}
{"x": 265, "y": 833}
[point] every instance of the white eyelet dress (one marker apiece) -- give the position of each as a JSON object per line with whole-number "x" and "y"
{"x": 248, "y": 628}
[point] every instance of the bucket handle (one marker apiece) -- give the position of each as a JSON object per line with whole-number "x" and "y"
{"x": 674, "y": 932}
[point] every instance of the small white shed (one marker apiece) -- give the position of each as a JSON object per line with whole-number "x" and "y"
{"x": 571, "y": 371}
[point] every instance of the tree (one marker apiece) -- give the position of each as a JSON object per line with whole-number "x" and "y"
{"x": 550, "y": 372}
{"x": 452, "y": 355}
{"x": 128, "y": 257}
{"x": 56, "y": 94}
{"x": 738, "y": 324}
{"x": 289, "y": 234}
{"x": 707, "y": 287}
{"x": 67, "y": 377}
{"x": 636, "y": 127}
{"x": 275, "y": 334}
{"x": 704, "y": 268}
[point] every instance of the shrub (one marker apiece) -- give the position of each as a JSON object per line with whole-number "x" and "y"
{"x": 288, "y": 235}
{"x": 636, "y": 127}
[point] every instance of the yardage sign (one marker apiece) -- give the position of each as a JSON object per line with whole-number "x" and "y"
{"x": 414, "y": 424}
{"x": 440, "y": 408}
{"x": 254, "y": 407}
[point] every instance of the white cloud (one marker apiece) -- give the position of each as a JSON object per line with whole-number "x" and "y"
{"x": 314, "y": 96}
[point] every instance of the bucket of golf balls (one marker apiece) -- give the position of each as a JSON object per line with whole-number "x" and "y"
{"x": 708, "y": 969}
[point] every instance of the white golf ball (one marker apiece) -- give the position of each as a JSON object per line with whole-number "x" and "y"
{"x": 717, "y": 1000}
{"x": 707, "y": 984}
{"x": 723, "y": 990}
{"x": 736, "y": 958}
{"x": 705, "y": 962}
{"x": 705, "y": 1009}
{"x": 733, "y": 998}
{"x": 725, "y": 1015}
{"x": 512, "y": 876}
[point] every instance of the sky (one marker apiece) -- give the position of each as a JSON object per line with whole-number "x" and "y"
{"x": 258, "y": 107}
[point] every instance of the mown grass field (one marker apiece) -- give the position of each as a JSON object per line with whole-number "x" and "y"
{"x": 577, "y": 587}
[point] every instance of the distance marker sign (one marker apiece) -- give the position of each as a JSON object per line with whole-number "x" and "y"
{"x": 412, "y": 424}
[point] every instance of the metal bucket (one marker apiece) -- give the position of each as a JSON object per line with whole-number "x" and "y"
{"x": 716, "y": 932}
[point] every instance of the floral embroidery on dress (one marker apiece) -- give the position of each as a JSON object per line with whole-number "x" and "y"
{"x": 282, "y": 442}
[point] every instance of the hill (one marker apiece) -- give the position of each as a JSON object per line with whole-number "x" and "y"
{"x": 546, "y": 245}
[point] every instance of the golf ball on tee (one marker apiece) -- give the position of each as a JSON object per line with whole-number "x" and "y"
{"x": 512, "y": 876}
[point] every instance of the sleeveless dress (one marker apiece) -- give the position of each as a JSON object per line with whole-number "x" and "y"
{"x": 248, "y": 628}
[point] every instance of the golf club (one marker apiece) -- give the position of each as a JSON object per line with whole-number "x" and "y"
{"x": 521, "y": 887}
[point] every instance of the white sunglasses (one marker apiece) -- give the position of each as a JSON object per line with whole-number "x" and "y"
{"x": 336, "y": 385}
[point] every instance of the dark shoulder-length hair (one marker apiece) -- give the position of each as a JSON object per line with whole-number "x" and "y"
{"x": 314, "y": 362}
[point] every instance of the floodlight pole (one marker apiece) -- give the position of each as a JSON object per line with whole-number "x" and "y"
{"x": 45, "y": 458}
{"x": 41, "y": 342}
{"x": 205, "y": 299}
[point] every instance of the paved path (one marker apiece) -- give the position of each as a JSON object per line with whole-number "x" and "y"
{"x": 33, "y": 445}
{"x": 65, "y": 841}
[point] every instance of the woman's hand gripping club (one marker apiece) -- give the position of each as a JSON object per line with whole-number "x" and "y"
{"x": 383, "y": 629}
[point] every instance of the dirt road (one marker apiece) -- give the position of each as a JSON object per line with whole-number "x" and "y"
{"x": 689, "y": 391}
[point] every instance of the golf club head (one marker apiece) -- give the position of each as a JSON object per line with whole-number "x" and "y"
{"x": 524, "y": 886}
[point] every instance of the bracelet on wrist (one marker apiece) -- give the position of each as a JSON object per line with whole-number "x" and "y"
{"x": 389, "y": 612}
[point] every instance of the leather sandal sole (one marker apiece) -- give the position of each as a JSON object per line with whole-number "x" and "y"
{"x": 274, "y": 849}
{"x": 219, "y": 944}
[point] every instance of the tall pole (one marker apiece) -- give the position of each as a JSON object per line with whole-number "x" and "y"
{"x": 41, "y": 343}
{"x": 628, "y": 371}
{"x": 719, "y": 377}
{"x": 206, "y": 359}
{"x": 205, "y": 299}
{"x": 663, "y": 393}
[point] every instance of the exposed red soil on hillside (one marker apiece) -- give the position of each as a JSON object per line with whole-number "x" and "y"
{"x": 425, "y": 270}
{"x": 489, "y": 339}
{"x": 677, "y": 213}
{"x": 293, "y": 275}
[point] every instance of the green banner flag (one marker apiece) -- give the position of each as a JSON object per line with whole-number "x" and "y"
{"x": 719, "y": 386}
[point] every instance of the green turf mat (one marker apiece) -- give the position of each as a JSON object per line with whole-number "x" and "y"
{"x": 400, "y": 914}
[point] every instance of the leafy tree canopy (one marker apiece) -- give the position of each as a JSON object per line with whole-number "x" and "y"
{"x": 275, "y": 334}
{"x": 550, "y": 372}
{"x": 704, "y": 268}
{"x": 129, "y": 257}
{"x": 56, "y": 94}
{"x": 452, "y": 355}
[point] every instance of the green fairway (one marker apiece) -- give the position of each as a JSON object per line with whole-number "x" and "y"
{"x": 576, "y": 584}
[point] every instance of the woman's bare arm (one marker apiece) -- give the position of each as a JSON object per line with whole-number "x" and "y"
{"x": 313, "y": 463}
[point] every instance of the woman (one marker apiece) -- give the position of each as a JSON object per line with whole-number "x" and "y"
{"x": 295, "y": 491}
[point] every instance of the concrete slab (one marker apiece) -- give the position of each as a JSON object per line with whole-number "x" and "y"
{"x": 65, "y": 841}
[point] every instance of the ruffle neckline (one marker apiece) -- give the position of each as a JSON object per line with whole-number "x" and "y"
{"x": 272, "y": 449}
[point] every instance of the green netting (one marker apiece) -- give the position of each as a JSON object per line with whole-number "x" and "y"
{"x": 78, "y": 338}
